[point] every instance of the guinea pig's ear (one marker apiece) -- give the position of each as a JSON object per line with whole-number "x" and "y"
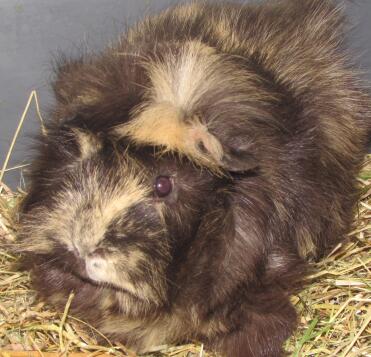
{"x": 238, "y": 156}
{"x": 75, "y": 82}
{"x": 239, "y": 161}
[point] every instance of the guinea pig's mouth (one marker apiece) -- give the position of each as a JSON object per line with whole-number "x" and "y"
{"x": 91, "y": 271}
{"x": 83, "y": 271}
{"x": 77, "y": 267}
{"x": 83, "y": 276}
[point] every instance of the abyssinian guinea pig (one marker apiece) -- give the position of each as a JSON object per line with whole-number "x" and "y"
{"x": 190, "y": 170}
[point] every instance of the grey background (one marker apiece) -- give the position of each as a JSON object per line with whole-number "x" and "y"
{"x": 33, "y": 31}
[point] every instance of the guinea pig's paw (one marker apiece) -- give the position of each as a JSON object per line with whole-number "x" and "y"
{"x": 261, "y": 335}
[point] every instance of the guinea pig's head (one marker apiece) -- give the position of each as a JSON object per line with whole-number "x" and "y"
{"x": 112, "y": 213}
{"x": 143, "y": 157}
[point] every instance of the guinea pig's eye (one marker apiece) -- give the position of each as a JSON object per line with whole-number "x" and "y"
{"x": 163, "y": 186}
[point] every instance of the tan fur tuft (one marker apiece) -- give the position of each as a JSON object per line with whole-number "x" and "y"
{"x": 88, "y": 143}
{"x": 165, "y": 125}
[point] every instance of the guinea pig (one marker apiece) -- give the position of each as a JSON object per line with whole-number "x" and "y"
{"x": 191, "y": 170}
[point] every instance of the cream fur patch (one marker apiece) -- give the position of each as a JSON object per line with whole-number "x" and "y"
{"x": 183, "y": 79}
{"x": 105, "y": 206}
{"x": 80, "y": 218}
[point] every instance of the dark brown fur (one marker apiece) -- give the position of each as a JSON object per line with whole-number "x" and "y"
{"x": 261, "y": 123}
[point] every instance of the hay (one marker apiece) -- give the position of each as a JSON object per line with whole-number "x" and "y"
{"x": 334, "y": 309}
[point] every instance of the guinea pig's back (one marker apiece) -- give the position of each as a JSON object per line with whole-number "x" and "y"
{"x": 296, "y": 50}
